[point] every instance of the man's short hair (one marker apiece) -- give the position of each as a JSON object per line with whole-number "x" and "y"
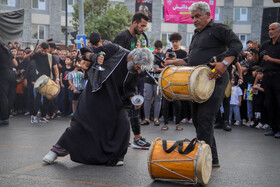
{"x": 175, "y": 37}
{"x": 52, "y": 45}
{"x": 158, "y": 44}
{"x": 13, "y": 48}
{"x": 44, "y": 45}
{"x": 255, "y": 67}
{"x": 143, "y": 57}
{"x": 27, "y": 48}
{"x": 249, "y": 41}
{"x": 204, "y": 7}
{"x": 69, "y": 57}
{"x": 21, "y": 50}
{"x": 261, "y": 69}
{"x": 94, "y": 38}
{"x": 138, "y": 16}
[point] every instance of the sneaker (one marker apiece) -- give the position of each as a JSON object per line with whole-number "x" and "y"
{"x": 34, "y": 119}
{"x": 140, "y": 143}
{"x": 266, "y": 127}
{"x": 119, "y": 163}
{"x": 237, "y": 123}
{"x": 184, "y": 120}
{"x": 270, "y": 133}
{"x": 243, "y": 121}
{"x": 50, "y": 157}
{"x": 27, "y": 113}
{"x": 248, "y": 124}
{"x": 277, "y": 135}
{"x": 190, "y": 121}
{"x": 259, "y": 126}
{"x": 44, "y": 120}
{"x": 252, "y": 124}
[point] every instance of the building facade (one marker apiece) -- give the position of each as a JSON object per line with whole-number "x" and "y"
{"x": 46, "y": 19}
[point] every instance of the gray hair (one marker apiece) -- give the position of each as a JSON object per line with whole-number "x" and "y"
{"x": 276, "y": 23}
{"x": 204, "y": 7}
{"x": 143, "y": 57}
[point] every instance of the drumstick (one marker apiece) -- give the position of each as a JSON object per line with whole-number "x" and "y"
{"x": 36, "y": 45}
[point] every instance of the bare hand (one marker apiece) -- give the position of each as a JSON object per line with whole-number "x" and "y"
{"x": 138, "y": 107}
{"x": 57, "y": 82}
{"x": 266, "y": 58}
{"x": 219, "y": 69}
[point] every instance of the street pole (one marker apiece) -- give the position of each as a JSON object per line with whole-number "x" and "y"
{"x": 81, "y": 17}
{"x": 66, "y": 23}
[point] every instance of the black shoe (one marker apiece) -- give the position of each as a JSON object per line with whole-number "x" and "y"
{"x": 215, "y": 164}
{"x": 4, "y": 122}
{"x": 226, "y": 126}
{"x": 218, "y": 125}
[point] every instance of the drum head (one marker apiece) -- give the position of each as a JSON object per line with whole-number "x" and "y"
{"x": 204, "y": 164}
{"x": 200, "y": 86}
{"x": 41, "y": 81}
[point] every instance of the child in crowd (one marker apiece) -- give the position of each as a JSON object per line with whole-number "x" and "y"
{"x": 235, "y": 102}
{"x": 259, "y": 100}
{"x": 76, "y": 82}
{"x": 66, "y": 95}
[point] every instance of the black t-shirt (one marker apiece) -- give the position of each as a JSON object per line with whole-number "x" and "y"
{"x": 215, "y": 39}
{"x": 6, "y": 58}
{"x": 22, "y": 65}
{"x": 126, "y": 40}
{"x": 30, "y": 73}
{"x": 259, "y": 96}
{"x": 65, "y": 72}
{"x": 180, "y": 54}
{"x": 42, "y": 63}
{"x": 157, "y": 62}
{"x": 272, "y": 51}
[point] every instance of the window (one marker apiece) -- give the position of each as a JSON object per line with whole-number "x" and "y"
{"x": 243, "y": 38}
{"x": 70, "y": 5}
{"x": 217, "y": 14}
{"x": 39, "y": 4}
{"x": 165, "y": 40}
{"x": 39, "y": 32}
{"x": 8, "y": 2}
{"x": 240, "y": 14}
{"x": 189, "y": 39}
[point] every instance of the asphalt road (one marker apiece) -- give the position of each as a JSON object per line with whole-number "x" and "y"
{"x": 247, "y": 158}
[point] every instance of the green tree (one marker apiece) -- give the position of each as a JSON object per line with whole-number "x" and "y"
{"x": 99, "y": 17}
{"x": 111, "y": 23}
{"x": 97, "y": 7}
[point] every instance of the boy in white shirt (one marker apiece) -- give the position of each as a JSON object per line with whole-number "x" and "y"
{"x": 235, "y": 102}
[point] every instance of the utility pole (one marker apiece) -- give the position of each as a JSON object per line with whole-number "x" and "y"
{"x": 66, "y": 23}
{"x": 81, "y": 17}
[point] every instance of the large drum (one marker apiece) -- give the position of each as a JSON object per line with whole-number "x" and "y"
{"x": 186, "y": 83}
{"x": 47, "y": 87}
{"x": 194, "y": 167}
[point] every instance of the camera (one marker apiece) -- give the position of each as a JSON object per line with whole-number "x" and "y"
{"x": 172, "y": 55}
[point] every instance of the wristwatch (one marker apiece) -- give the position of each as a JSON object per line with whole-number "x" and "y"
{"x": 225, "y": 63}
{"x": 79, "y": 65}
{"x": 57, "y": 79}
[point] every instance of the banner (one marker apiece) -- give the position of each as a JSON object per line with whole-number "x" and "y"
{"x": 145, "y": 7}
{"x": 11, "y": 25}
{"x": 177, "y": 11}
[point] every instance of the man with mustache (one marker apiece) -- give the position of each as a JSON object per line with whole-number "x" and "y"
{"x": 210, "y": 39}
{"x": 270, "y": 60}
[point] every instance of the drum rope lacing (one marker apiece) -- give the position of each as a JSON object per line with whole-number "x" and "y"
{"x": 169, "y": 85}
{"x": 190, "y": 159}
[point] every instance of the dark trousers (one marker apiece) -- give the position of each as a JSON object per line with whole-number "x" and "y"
{"x": 165, "y": 110}
{"x": 7, "y": 84}
{"x": 30, "y": 96}
{"x": 204, "y": 114}
{"x": 134, "y": 116}
{"x": 226, "y": 106}
{"x": 272, "y": 99}
{"x": 38, "y": 104}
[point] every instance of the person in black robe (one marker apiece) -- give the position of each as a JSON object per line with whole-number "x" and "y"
{"x": 99, "y": 131}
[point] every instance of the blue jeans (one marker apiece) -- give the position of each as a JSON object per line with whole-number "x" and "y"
{"x": 236, "y": 111}
{"x": 250, "y": 109}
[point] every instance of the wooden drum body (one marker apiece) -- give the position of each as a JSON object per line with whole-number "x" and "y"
{"x": 195, "y": 167}
{"x": 186, "y": 83}
{"x": 47, "y": 87}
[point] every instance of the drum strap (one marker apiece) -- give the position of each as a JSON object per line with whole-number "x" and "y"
{"x": 50, "y": 63}
{"x": 180, "y": 146}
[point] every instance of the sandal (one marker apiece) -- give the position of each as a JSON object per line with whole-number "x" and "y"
{"x": 164, "y": 128}
{"x": 178, "y": 128}
{"x": 145, "y": 122}
{"x": 156, "y": 123}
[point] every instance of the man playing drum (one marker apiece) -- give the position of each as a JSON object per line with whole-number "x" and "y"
{"x": 210, "y": 39}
